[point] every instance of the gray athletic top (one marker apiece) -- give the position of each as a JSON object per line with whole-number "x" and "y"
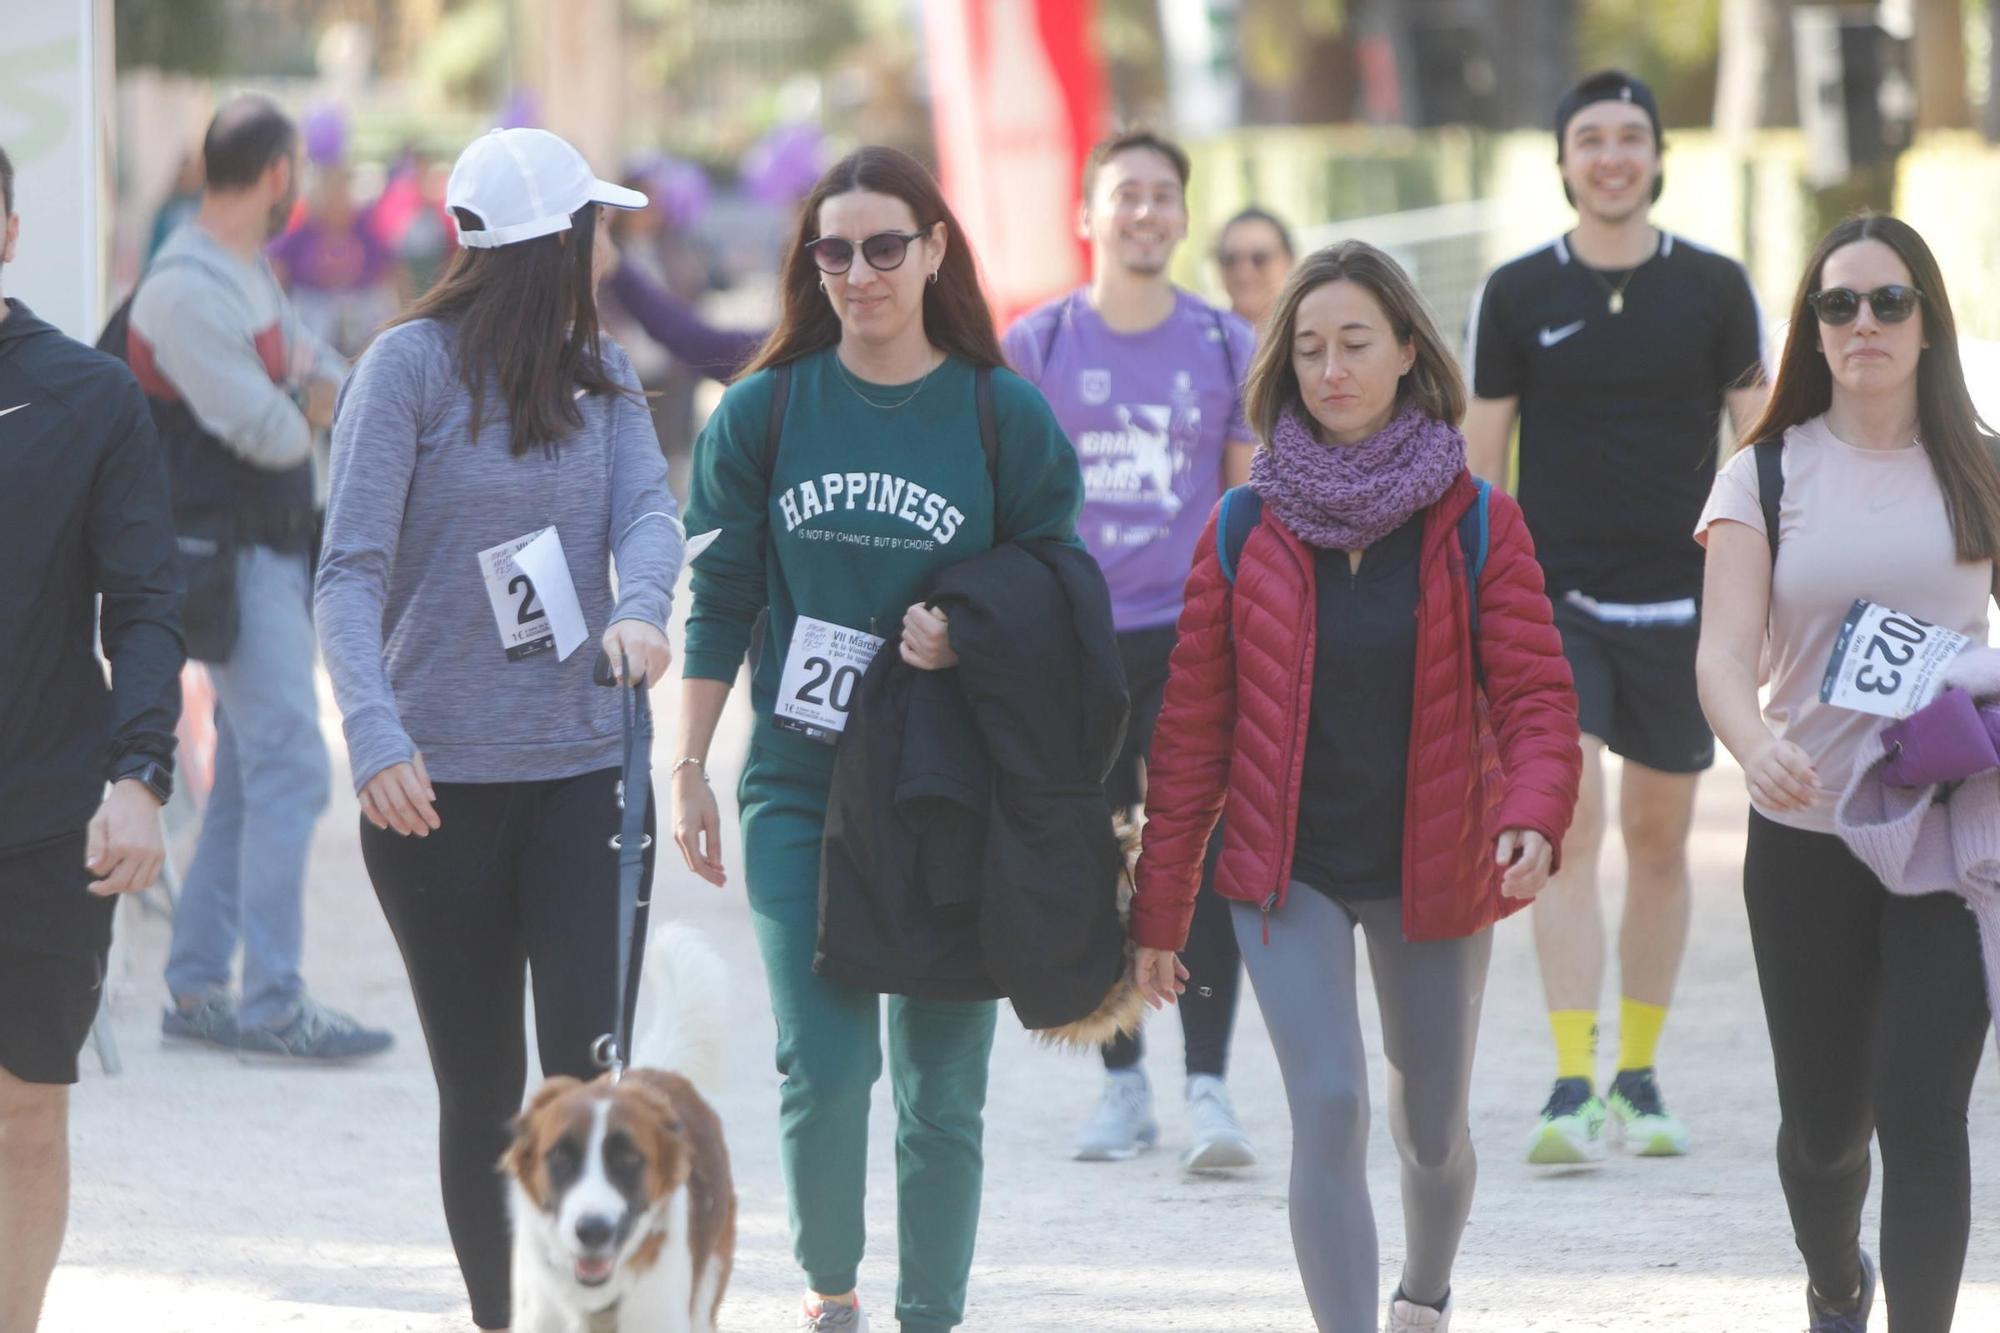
{"x": 427, "y": 652}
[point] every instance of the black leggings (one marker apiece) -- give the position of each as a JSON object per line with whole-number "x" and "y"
{"x": 1214, "y": 964}
{"x": 518, "y": 872}
{"x": 1877, "y": 1010}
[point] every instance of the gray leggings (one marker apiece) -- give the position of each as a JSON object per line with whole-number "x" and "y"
{"x": 1429, "y": 996}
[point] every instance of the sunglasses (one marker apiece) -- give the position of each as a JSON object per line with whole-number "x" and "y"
{"x": 1258, "y": 259}
{"x": 884, "y": 251}
{"x": 1840, "y": 305}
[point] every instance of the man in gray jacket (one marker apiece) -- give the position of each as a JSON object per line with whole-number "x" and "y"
{"x": 238, "y": 389}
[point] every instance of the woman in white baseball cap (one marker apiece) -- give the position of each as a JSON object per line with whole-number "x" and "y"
{"x": 492, "y": 457}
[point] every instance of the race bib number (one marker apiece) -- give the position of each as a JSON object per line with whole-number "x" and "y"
{"x": 822, "y": 672}
{"x": 517, "y": 611}
{"x": 1887, "y": 663}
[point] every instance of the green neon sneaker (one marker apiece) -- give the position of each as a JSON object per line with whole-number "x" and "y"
{"x": 1642, "y": 1119}
{"x": 1571, "y": 1130}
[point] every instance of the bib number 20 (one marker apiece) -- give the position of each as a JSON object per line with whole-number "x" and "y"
{"x": 827, "y": 685}
{"x": 822, "y": 676}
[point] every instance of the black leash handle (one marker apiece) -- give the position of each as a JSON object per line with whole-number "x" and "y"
{"x": 613, "y": 1050}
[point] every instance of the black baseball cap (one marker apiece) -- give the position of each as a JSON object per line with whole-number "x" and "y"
{"x": 1611, "y": 85}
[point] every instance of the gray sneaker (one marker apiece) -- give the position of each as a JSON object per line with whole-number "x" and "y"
{"x": 833, "y": 1319}
{"x": 316, "y": 1035}
{"x": 210, "y": 1022}
{"x": 1123, "y": 1125}
{"x": 1219, "y": 1141}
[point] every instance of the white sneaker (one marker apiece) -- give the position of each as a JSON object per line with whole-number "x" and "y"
{"x": 1409, "y": 1317}
{"x": 1219, "y": 1141}
{"x": 1123, "y": 1125}
{"x": 829, "y": 1318}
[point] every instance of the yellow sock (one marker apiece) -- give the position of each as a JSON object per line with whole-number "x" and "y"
{"x": 1639, "y": 1027}
{"x": 1576, "y": 1043}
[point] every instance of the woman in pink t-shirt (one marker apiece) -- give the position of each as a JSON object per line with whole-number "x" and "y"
{"x": 1875, "y": 1003}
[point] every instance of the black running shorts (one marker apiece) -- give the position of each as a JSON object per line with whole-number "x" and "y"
{"x": 1635, "y": 690}
{"x": 55, "y": 937}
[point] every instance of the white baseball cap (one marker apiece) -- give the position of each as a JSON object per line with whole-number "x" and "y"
{"x": 525, "y": 183}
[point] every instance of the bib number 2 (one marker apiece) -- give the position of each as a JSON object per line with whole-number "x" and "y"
{"x": 518, "y": 613}
{"x": 823, "y": 669}
{"x": 530, "y": 610}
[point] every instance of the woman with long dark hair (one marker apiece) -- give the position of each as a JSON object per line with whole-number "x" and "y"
{"x": 1370, "y": 691}
{"x": 490, "y": 419}
{"x": 842, "y": 473}
{"x": 1875, "y": 1003}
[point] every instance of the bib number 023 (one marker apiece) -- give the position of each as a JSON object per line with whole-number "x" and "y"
{"x": 1886, "y": 662}
{"x": 823, "y": 670}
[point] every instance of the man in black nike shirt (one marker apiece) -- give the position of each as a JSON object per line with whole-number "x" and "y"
{"x": 87, "y": 543}
{"x": 1617, "y": 346}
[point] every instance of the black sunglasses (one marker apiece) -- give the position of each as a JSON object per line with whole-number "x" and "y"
{"x": 1840, "y": 305}
{"x": 885, "y": 250}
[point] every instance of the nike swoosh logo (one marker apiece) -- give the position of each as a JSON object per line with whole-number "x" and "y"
{"x": 1550, "y": 337}
{"x": 17, "y": 407}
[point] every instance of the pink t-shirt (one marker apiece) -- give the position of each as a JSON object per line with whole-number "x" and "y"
{"x": 1867, "y": 523}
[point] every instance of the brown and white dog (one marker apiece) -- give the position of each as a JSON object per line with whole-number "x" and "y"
{"x": 624, "y": 1210}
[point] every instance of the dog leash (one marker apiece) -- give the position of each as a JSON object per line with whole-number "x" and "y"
{"x": 612, "y": 1051}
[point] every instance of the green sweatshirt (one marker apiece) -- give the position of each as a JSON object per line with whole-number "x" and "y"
{"x": 866, "y": 506}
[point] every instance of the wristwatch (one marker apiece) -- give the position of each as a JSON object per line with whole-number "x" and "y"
{"x": 151, "y": 774}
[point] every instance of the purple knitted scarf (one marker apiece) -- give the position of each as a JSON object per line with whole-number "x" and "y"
{"x": 1347, "y": 497}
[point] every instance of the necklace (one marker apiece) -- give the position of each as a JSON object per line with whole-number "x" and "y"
{"x": 854, "y": 386}
{"x": 1615, "y": 300}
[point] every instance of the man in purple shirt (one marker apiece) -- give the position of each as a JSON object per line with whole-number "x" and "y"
{"x": 1147, "y": 380}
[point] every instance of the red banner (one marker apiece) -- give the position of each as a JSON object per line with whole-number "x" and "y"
{"x": 1017, "y": 95}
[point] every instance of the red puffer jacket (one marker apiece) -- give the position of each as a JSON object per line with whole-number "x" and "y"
{"x": 1231, "y": 739}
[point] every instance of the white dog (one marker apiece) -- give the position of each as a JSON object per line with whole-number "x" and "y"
{"x": 624, "y": 1211}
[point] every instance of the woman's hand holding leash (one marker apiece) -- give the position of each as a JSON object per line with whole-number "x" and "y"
{"x": 642, "y": 647}
{"x": 1160, "y": 976}
{"x": 1527, "y": 856}
{"x": 927, "y": 639}
{"x": 401, "y": 797}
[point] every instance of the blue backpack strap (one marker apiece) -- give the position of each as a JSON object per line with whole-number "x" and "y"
{"x": 1475, "y": 532}
{"x": 1474, "y": 535}
{"x": 1241, "y": 510}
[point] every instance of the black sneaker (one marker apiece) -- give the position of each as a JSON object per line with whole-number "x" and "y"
{"x": 1849, "y": 1316}
{"x": 211, "y": 1022}
{"x": 316, "y": 1035}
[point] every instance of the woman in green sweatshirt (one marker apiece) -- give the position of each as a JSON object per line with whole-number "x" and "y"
{"x": 878, "y": 480}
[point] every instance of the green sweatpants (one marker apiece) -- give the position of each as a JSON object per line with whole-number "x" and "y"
{"x": 830, "y": 1054}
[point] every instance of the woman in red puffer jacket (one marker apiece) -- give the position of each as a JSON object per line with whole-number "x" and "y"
{"x": 1378, "y": 765}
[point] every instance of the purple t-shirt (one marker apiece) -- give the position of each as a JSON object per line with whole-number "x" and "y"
{"x": 320, "y": 259}
{"x": 1149, "y": 414}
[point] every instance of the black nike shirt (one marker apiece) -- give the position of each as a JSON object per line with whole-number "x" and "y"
{"x": 87, "y": 543}
{"x": 1619, "y": 412}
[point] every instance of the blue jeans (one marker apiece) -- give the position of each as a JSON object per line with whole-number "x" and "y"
{"x": 247, "y": 882}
